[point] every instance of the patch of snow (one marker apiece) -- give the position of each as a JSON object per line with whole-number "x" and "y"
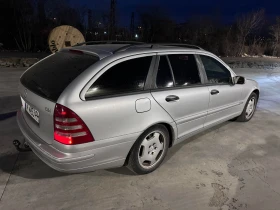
{"x": 267, "y": 56}
{"x": 257, "y": 56}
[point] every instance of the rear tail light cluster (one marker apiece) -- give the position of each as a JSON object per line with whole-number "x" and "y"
{"x": 69, "y": 128}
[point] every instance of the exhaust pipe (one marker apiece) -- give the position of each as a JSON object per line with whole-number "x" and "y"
{"x": 25, "y": 148}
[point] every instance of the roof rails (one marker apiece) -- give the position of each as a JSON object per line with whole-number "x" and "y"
{"x": 130, "y": 44}
{"x": 177, "y": 45}
{"x": 150, "y": 45}
{"x": 108, "y": 42}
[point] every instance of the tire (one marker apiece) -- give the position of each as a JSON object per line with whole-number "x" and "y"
{"x": 151, "y": 146}
{"x": 244, "y": 117}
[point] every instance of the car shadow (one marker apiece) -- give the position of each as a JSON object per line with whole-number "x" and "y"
{"x": 173, "y": 150}
{"x": 121, "y": 171}
{"x": 28, "y": 165}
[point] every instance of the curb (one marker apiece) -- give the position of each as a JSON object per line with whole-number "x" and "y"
{"x": 7, "y": 115}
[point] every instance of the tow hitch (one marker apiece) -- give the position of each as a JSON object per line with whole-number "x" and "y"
{"x": 25, "y": 147}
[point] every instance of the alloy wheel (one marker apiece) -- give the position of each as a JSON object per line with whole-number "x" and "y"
{"x": 151, "y": 149}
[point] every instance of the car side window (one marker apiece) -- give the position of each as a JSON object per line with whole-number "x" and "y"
{"x": 125, "y": 77}
{"x": 216, "y": 72}
{"x": 185, "y": 69}
{"x": 164, "y": 76}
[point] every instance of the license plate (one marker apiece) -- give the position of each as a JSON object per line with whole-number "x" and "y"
{"x": 32, "y": 112}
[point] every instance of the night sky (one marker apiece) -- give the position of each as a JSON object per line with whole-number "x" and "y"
{"x": 181, "y": 10}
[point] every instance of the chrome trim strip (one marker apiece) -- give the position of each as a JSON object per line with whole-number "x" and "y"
{"x": 191, "y": 117}
{"x": 221, "y": 108}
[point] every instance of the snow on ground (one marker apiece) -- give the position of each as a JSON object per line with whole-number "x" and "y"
{"x": 252, "y": 62}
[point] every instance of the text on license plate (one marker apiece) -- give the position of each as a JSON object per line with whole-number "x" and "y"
{"x": 32, "y": 112}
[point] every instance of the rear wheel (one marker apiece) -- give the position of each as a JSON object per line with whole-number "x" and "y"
{"x": 149, "y": 150}
{"x": 249, "y": 109}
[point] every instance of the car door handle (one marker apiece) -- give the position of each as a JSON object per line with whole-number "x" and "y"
{"x": 172, "y": 98}
{"x": 214, "y": 92}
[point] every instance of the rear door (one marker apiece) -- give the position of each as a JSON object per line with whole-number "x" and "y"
{"x": 42, "y": 84}
{"x": 180, "y": 91}
{"x": 118, "y": 100}
{"x": 225, "y": 98}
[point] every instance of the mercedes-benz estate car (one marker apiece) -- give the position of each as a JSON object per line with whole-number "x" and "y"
{"x": 106, "y": 105}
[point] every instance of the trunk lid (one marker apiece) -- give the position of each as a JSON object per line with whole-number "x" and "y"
{"x": 42, "y": 84}
{"x": 44, "y": 128}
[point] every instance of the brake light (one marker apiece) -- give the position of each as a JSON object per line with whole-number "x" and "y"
{"x": 76, "y": 52}
{"x": 69, "y": 128}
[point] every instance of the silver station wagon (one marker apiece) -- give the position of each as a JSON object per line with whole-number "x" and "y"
{"x": 117, "y": 104}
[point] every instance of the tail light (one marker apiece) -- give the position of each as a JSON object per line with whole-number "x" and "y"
{"x": 69, "y": 128}
{"x": 76, "y": 52}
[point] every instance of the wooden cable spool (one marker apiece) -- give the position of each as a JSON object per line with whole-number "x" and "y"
{"x": 64, "y": 36}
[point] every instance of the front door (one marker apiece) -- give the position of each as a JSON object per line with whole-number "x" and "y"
{"x": 225, "y": 98}
{"x": 179, "y": 90}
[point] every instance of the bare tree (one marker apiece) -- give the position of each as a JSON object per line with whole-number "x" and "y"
{"x": 157, "y": 27}
{"x": 54, "y": 9}
{"x": 246, "y": 24}
{"x": 275, "y": 33}
{"x": 82, "y": 12}
{"x": 257, "y": 46}
{"x": 25, "y": 20}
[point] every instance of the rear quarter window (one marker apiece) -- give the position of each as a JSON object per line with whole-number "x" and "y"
{"x": 52, "y": 75}
{"x": 125, "y": 77}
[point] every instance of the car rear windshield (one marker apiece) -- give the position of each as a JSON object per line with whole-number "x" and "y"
{"x": 51, "y": 76}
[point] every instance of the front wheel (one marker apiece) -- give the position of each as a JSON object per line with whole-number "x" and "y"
{"x": 249, "y": 109}
{"x": 149, "y": 150}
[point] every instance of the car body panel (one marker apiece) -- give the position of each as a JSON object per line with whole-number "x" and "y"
{"x": 226, "y": 103}
{"x": 118, "y": 115}
{"x": 249, "y": 86}
{"x": 190, "y": 111}
{"x": 108, "y": 155}
{"x": 45, "y": 107}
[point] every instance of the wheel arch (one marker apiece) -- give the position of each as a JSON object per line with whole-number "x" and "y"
{"x": 171, "y": 130}
{"x": 257, "y": 91}
{"x": 171, "y": 133}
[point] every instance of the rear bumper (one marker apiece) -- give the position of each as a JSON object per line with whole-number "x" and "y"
{"x": 101, "y": 158}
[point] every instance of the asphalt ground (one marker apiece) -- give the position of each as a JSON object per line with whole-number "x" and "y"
{"x": 231, "y": 166}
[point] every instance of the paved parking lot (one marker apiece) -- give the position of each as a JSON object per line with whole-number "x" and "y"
{"x": 231, "y": 166}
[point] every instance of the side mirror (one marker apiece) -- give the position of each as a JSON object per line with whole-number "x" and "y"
{"x": 239, "y": 80}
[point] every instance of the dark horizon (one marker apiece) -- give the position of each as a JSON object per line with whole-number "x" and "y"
{"x": 180, "y": 10}
{"x": 216, "y": 26}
